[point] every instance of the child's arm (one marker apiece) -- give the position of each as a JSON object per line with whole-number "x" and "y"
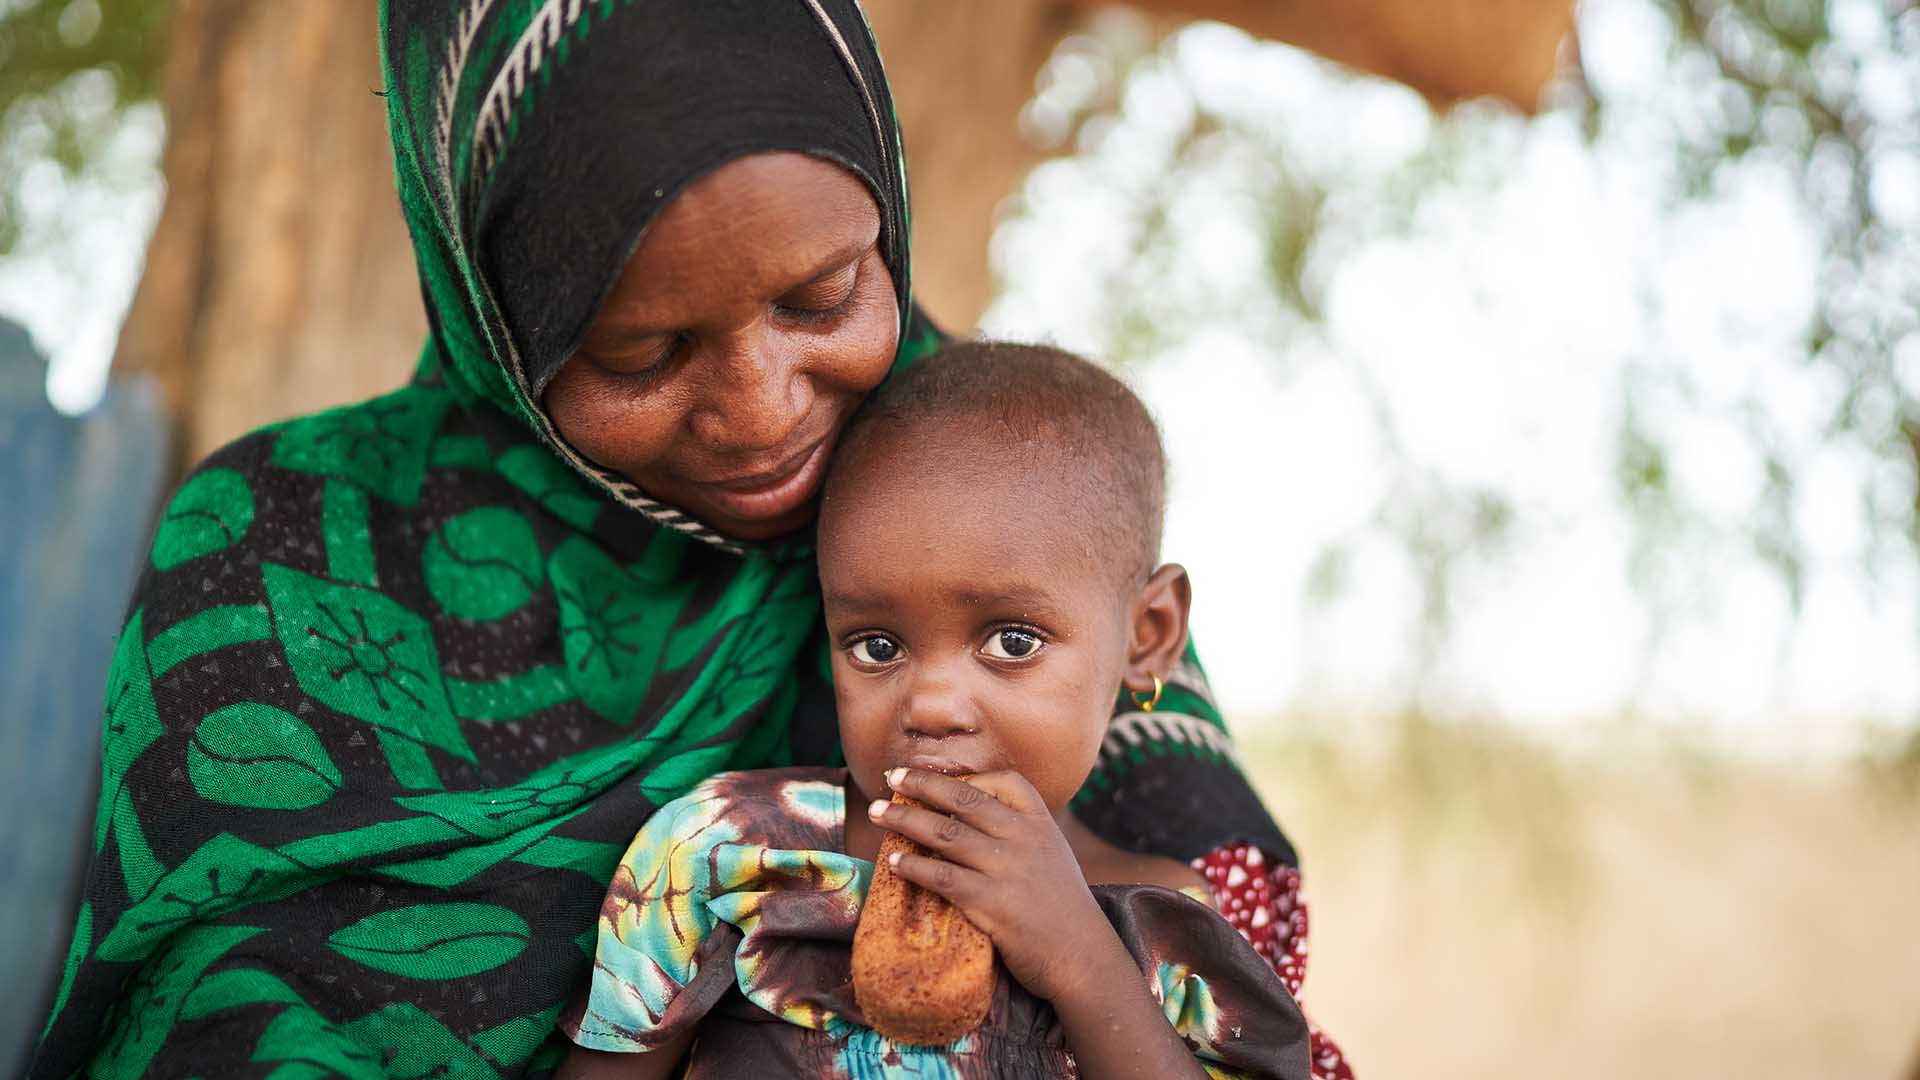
{"x": 658, "y": 1064}
{"x": 1114, "y": 1026}
{"x": 1103, "y": 863}
{"x": 1004, "y": 863}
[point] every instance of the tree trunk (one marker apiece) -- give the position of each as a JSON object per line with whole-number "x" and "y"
{"x": 279, "y": 279}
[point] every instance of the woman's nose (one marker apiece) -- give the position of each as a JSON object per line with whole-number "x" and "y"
{"x": 758, "y": 395}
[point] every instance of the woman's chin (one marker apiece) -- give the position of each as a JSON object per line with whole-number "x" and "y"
{"x": 754, "y": 530}
{"x": 768, "y": 510}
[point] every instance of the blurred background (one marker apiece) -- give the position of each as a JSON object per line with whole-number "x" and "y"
{"x": 1542, "y": 384}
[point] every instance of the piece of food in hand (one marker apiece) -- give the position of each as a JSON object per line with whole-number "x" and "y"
{"x": 922, "y": 973}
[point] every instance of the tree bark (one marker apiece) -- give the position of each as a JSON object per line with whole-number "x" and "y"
{"x": 279, "y": 278}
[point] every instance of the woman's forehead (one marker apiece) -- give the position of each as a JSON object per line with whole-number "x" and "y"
{"x": 758, "y": 222}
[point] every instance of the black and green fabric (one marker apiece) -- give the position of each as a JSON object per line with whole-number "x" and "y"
{"x": 403, "y": 679}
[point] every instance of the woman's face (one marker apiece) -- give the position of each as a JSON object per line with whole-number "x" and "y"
{"x": 755, "y": 316}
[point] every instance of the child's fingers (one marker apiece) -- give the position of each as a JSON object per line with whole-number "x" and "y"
{"x": 976, "y": 800}
{"x": 953, "y": 839}
{"x": 963, "y": 888}
{"x": 1010, "y": 790}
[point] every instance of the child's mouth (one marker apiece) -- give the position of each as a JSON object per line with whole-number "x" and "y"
{"x": 944, "y": 765}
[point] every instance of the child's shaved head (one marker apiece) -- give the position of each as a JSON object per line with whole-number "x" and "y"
{"x": 1038, "y": 415}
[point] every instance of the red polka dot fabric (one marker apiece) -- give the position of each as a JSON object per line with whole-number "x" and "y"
{"x": 1263, "y": 901}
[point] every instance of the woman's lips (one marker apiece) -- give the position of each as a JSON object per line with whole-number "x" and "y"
{"x": 775, "y": 496}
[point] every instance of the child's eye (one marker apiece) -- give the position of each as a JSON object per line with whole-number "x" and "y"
{"x": 875, "y": 649}
{"x": 1012, "y": 644}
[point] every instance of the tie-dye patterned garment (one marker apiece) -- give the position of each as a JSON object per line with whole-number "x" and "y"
{"x": 733, "y": 915}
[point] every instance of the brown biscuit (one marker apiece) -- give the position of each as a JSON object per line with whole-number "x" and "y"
{"x": 922, "y": 973}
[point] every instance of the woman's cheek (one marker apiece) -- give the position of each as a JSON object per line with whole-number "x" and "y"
{"x": 624, "y": 431}
{"x": 858, "y": 356}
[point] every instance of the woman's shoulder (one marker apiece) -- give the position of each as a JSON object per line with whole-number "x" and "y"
{"x": 383, "y": 445}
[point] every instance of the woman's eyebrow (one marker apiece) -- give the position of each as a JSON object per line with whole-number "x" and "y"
{"x": 838, "y": 262}
{"x": 842, "y": 259}
{"x": 618, "y": 333}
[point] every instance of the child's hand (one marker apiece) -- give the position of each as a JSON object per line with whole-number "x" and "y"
{"x": 1004, "y": 863}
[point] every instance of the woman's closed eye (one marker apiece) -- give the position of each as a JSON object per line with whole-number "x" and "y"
{"x": 637, "y": 359}
{"x": 824, "y": 297}
{"x": 1012, "y": 643}
{"x": 874, "y": 649}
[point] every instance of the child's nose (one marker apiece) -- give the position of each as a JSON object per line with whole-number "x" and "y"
{"x": 937, "y": 707}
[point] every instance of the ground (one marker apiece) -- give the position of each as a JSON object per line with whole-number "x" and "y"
{"x": 1484, "y": 907}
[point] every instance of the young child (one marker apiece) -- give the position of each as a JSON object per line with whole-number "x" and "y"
{"x": 987, "y": 544}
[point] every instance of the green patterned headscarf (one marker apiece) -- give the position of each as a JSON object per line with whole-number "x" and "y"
{"x": 403, "y": 679}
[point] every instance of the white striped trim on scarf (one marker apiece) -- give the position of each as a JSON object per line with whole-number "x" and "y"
{"x": 510, "y": 82}
{"x": 466, "y": 27}
{"x": 1131, "y": 729}
{"x": 658, "y": 512}
{"x": 1188, "y": 676}
{"x": 875, "y": 121}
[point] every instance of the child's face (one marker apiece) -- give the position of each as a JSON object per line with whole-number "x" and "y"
{"x": 972, "y": 626}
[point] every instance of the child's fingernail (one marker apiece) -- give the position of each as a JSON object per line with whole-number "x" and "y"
{"x": 894, "y": 776}
{"x": 893, "y": 859}
{"x": 876, "y": 808}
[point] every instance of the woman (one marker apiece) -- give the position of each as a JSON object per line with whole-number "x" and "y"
{"x": 404, "y": 677}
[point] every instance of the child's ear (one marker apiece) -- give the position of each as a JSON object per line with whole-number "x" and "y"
{"x": 1159, "y": 633}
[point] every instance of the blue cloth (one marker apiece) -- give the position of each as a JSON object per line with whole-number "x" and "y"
{"x": 79, "y": 495}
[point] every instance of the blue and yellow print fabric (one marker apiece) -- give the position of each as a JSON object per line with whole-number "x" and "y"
{"x": 742, "y": 885}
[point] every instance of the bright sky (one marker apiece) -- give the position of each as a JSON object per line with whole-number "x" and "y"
{"x": 1495, "y": 333}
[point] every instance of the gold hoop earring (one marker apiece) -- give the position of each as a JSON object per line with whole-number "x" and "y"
{"x": 1147, "y": 703}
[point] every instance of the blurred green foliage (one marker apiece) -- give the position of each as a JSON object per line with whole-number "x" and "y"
{"x": 1826, "y": 93}
{"x": 1829, "y": 92}
{"x": 69, "y": 70}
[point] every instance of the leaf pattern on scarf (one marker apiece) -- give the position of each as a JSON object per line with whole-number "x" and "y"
{"x": 411, "y": 1043}
{"x": 235, "y": 989}
{"x": 210, "y": 513}
{"x": 132, "y": 721}
{"x": 435, "y": 941}
{"x": 360, "y": 652}
{"x": 156, "y": 995}
{"x": 259, "y": 756}
{"x": 484, "y": 564}
{"x": 559, "y": 787}
{"x": 380, "y": 445}
{"x": 223, "y": 874}
{"x": 311, "y": 1046}
{"x": 611, "y": 627}
{"x": 558, "y": 489}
